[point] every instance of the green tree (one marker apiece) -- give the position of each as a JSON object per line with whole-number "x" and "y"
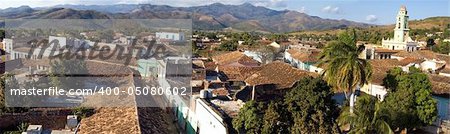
{"x": 4, "y": 83}
{"x": 446, "y": 33}
{"x": 265, "y": 53}
{"x": 229, "y": 45}
{"x": 82, "y": 112}
{"x": 2, "y": 34}
{"x": 392, "y": 78}
{"x": 410, "y": 103}
{"x": 426, "y": 106}
{"x": 249, "y": 119}
{"x": 272, "y": 119}
{"x": 63, "y": 73}
{"x": 430, "y": 43}
{"x": 367, "y": 118}
{"x": 343, "y": 68}
{"x": 443, "y": 48}
{"x": 311, "y": 107}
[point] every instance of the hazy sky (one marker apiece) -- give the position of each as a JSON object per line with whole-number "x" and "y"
{"x": 369, "y": 11}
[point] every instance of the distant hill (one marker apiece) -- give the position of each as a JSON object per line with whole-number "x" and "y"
{"x": 427, "y": 23}
{"x": 374, "y": 34}
{"x": 244, "y": 17}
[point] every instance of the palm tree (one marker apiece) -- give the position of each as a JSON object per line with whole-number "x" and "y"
{"x": 367, "y": 118}
{"x": 343, "y": 69}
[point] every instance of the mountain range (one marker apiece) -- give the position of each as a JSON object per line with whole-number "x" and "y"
{"x": 217, "y": 16}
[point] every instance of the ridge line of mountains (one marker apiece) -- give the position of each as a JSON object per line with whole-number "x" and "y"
{"x": 217, "y": 16}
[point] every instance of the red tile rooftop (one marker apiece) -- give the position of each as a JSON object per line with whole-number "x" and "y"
{"x": 281, "y": 74}
{"x": 383, "y": 50}
{"x": 304, "y": 55}
{"x": 111, "y": 120}
{"x": 380, "y": 68}
{"x": 234, "y": 57}
{"x": 423, "y": 54}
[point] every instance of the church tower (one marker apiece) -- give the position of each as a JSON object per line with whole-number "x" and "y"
{"x": 401, "y": 40}
{"x": 401, "y": 31}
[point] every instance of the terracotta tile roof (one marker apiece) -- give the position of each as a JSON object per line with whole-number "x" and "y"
{"x": 33, "y": 63}
{"x": 265, "y": 42}
{"x": 198, "y": 64}
{"x": 285, "y": 43}
{"x": 383, "y": 50}
{"x": 304, "y": 56}
{"x": 227, "y": 57}
{"x": 409, "y": 60}
{"x": 210, "y": 65}
{"x": 111, "y": 120}
{"x": 99, "y": 68}
{"x": 446, "y": 69}
{"x": 238, "y": 73}
{"x": 421, "y": 54}
{"x": 220, "y": 92}
{"x": 441, "y": 84}
{"x": 233, "y": 58}
{"x": 445, "y": 58}
{"x": 281, "y": 74}
{"x": 247, "y": 61}
{"x": 22, "y": 49}
{"x": 151, "y": 120}
{"x": 113, "y": 57}
{"x": 380, "y": 68}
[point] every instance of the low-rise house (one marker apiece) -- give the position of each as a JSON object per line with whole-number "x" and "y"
{"x": 235, "y": 67}
{"x": 180, "y": 36}
{"x": 445, "y": 71}
{"x": 280, "y": 46}
{"x": 381, "y": 53}
{"x": 372, "y": 51}
{"x": 210, "y": 119}
{"x": 273, "y": 80}
{"x": 303, "y": 59}
{"x": 235, "y": 58}
{"x": 431, "y": 62}
{"x": 440, "y": 84}
{"x": 380, "y": 68}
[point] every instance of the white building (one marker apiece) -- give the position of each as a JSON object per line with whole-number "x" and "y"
{"x": 446, "y": 40}
{"x": 401, "y": 40}
{"x": 8, "y": 45}
{"x": 62, "y": 41}
{"x": 209, "y": 121}
{"x": 33, "y": 129}
{"x": 80, "y": 44}
{"x": 375, "y": 89}
{"x": 170, "y": 36}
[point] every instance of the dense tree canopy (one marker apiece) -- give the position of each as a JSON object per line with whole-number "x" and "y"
{"x": 249, "y": 119}
{"x": 409, "y": 102}
{"x": 443, "y": 48}
{"x": 312, "y": 108}
{"x": 273, "y": 122}
{"x": 307, "y": 108}
{"x": 229, "y": 45}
